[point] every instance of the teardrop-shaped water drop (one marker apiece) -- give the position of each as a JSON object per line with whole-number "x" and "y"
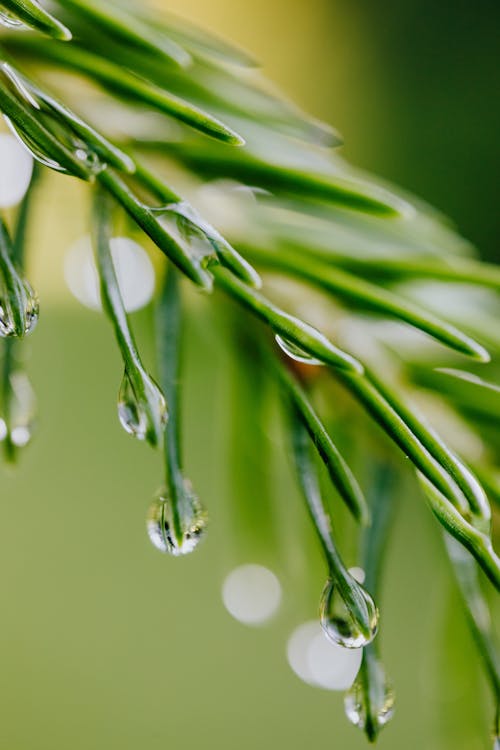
{"x": 161, "y": 524}
{"x": 178, "y": 220}
{"x": 295, "y": 352}
{"x": 19, "y": 317}
{"x": 370, "y": 702}
{"x": 89, "y": 159}
{"x": 52, "y": 121}
{"x": 33, "y": 148}
{"x": 142, "y": 409}
{"x": 352, "y": 620}
{"x": 132, "y": 417}
{"x": 10, "y": 20}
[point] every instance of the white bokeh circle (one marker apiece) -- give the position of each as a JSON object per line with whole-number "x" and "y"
{"x": 251, "y": 594}
{"x": 16, "y": 167}
{"x": 318, "y": 661}
{"x": 133, "y": 267}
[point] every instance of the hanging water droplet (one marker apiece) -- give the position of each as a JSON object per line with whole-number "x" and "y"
{"x": 181, "y": 535}
{"x": 52, "y": 121}
{"x": 10, "y": 20}
{"x": 295, "y": 352}
{"x": 131, "y": 416}
{"x": 351, "y": 624}
{"x": 33, "y": 148}
{"x": 182, "y": 222}
{"x": 370, "y": 702}
{"x": 89, "y": 159}
{"x": 142, "y": 409}
{"x": 19, "y": 316}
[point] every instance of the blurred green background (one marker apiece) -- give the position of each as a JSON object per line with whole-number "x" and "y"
{"x": 107, "y": 644}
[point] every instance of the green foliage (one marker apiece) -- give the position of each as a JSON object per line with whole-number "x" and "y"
{"x": 299, "y": 212}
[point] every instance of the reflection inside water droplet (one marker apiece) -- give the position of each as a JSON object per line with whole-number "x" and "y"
{"x": 142, "y": 409}
{"x": 339, "y": 620}
{"x": 19, "y": 314}
{"x": 183, "y": 223}
{"x": 370, "y": 702}
{"x": 295, "y": 352}
{"x": 251, "y": 594}
{"x": 358, "y": 574}
{"x": 10, "y": 20}
{"x": 318, "y": 661}
{"x": 191, "y": 523}
{"x": 132, "y": 417}
{"x": 51, "y": 120}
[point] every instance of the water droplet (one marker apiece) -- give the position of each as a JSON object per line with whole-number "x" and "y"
{"x": 52, "y": 121}
{"x": 87, "y": 156}
{"x": 183, "y": 223}
{"x": 132, "y": 417}
{"x": 251, "y": 594}
{"x": 191, "y": 523}
{"x": 358, "y": 574}
{"x": 33, "y": 148}
{"x": 351, "y": 620}
{"x": 10, "y": 20}
{"x": 370, "y": 702}
{"x": 142, "y": 409}
{"x": 18, "y": 417}
{"x": 18, "y": 317}
{"x": 295, "y": 352}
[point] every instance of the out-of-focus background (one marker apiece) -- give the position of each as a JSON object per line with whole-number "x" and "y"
{"x": 107, "y": 644}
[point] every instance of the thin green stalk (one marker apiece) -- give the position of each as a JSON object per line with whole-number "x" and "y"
{"x": 369, "y": 296}
{"x": 251, "y": 169}
{"x": 375, "y": 536}
{"x": 19, "y": 304}
{"x": 199, "y": 43}
{"x": 130, "y": 30}
{"x": 446, "y": 499}
{"x": 340, "y": 473}
{"x": 478, "y": 612}
{"x": 168, "y": 335}
{"x": 149, "y": 222}
{"x": 359, "y": 625}
{"x": 460, "y": 473}
{"x": 37, "y": 138}
{"x": 290, "y": 328}
{"x": 226, "y": 254}
{"x": 177, "y": 519}
{"x": 458, "y": 270}
{"x": 369, "y": 703}
{"x": 10, "y": 344}
{"x": 142, "y": 407}
{"x": 36, "y": 17}
{"x": 129, "y": 86}
{"x": 478, "y": 544}
{"x": 395, "y": 426}
{"x": 46, "y": 115}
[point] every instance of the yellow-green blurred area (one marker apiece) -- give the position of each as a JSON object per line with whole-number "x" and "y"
{"x": 105, "y": 643}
